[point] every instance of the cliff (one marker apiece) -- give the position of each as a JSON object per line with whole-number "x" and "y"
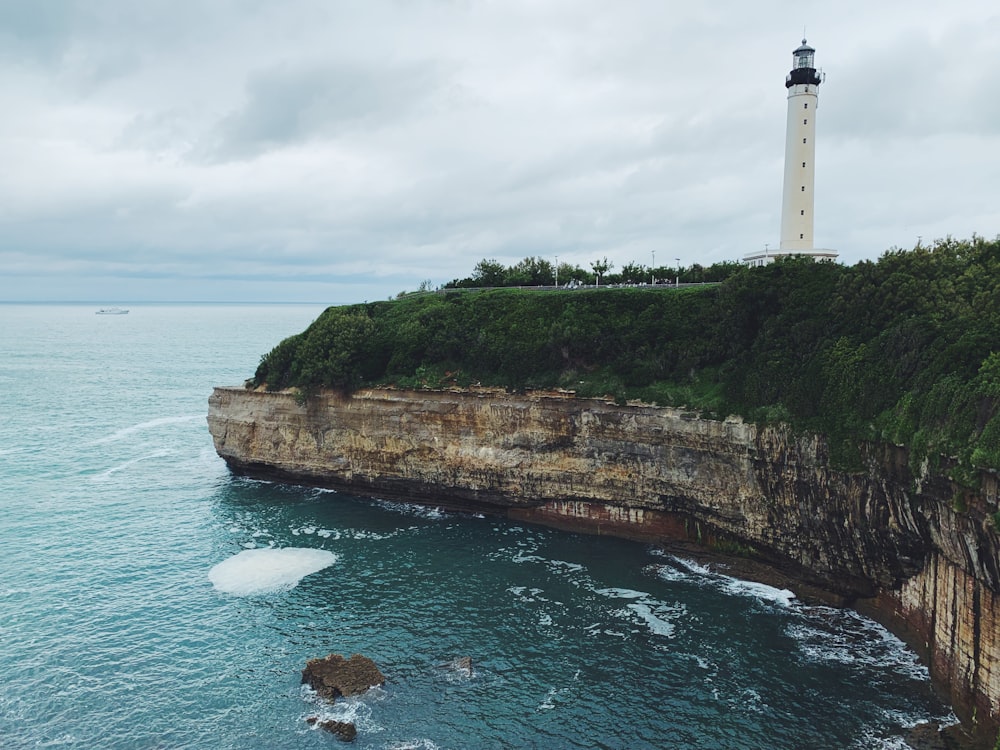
{"x": 914, "y": 551}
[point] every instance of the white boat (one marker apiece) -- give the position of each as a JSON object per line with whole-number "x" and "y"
{"x": 112, "y": 311}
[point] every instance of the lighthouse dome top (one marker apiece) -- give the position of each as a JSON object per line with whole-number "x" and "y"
{"x": 804, "y": 48}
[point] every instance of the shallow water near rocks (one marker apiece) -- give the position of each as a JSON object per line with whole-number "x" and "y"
{"x": 116, "y": 633}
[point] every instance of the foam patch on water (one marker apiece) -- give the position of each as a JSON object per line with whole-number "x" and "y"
{"x": 268, "y": 570}
{"x": 621, "y": 593}
{"x": 655, "y": 619}
{"x": 524, "y": 594}
{"x": 412, "y": 509}
{"x": 338, "y": 534}
{"x": 351, "y": 711}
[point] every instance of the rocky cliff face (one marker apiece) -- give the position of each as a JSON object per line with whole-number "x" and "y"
{"x": 915, "y": 551}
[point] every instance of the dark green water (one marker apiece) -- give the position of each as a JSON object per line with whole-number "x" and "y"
{"x": 115, "y": 510}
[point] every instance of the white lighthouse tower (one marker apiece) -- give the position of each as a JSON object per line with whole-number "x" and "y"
{"x": 797, "y": 199}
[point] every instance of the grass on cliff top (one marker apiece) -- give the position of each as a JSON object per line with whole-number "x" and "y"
{"x": 905, "y": 349}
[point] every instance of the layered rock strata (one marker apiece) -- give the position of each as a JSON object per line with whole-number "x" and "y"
{"x": 911, "y": 549}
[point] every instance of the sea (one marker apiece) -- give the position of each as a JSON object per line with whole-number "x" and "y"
{"x": 151, "y": 599}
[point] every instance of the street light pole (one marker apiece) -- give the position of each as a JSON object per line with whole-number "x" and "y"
{"x": 557, "y": 272}
{"x": 677, "y": 281}
{"x": 652, "y": 270}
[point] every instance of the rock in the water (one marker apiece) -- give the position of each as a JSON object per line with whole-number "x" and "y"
{"x": 463, "y": 666}
{"x": 345, "y": 730}
{"x": 334, "y": 676}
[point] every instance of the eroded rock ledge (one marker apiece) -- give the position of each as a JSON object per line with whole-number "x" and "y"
{"x": 913, "y": 551}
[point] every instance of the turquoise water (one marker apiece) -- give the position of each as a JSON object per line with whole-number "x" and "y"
{"x": 116, "y": 510}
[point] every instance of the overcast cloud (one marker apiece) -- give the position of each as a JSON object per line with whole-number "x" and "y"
{"x": 334, "y": 151}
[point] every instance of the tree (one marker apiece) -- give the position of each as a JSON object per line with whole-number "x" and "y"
{"x": 634, "y": 273}
{"x": 489, "y": 273}
{"x": 531, "y": 271}
{"x": 601, "y": 267}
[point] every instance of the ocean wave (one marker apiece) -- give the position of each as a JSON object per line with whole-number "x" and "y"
{"x": 125, "y": 432}
{"x": 338, "y": 534}
{"x": 356, "y": 710}
{"x": 126, "y": 464}
{"x": 419, "y": 744}
{"x": 681, "y": 569}
{"x": 412, "y": 509}
{"x": 846, "y": 637}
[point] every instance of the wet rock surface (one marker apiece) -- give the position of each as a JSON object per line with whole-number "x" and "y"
{"x": 344, "y": 730}
{"x": 334, "y": 676}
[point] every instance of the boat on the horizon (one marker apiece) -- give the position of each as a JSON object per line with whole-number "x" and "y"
{"x": 112, "y": 311}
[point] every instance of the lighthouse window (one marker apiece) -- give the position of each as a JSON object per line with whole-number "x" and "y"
{"x": 802, "y": 212}
{"x": 805, "y": 122}
{"x": 805, "y": 106}
{"x": 801, "y": 236}
{"x": 803, "y": 164}
{"x": 803, "y": 188}
{"x": 803, "y": 140}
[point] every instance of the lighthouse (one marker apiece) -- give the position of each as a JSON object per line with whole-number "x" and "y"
{"x": 797, "y": 198}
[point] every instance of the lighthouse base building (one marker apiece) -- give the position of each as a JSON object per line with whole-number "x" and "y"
{"x": 797, "y": 199}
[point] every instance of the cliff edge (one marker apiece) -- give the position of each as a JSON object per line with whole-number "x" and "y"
{"x": 915, "y": 551}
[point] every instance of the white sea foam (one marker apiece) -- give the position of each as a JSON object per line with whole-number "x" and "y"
{"x": 143, "y": 426}
{"x": 563, "y": 565}
{"x": 870, "y": 740}
{"x": 621, "y": 593}
{"x": 846, "y": 637}
{"x": 412, "y": 509}
{"x": 524, "y": 594}
{"x": 691, "y": 566}
{"x": 263, "y": 571}
{"x": 762, "y": 591}
{"x": 520, "y": 557}
{"x": 653, "y": 619}
{"x": 420, "y": 744}
{"x": 355, "y": 710}
{"x": 338, "y": 534}
{"x": 126, "y": 464}
{"x": 549, "y": 702}
{"x": 683, "y": 569}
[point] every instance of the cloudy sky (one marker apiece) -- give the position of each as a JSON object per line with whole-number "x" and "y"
{"x": 338, "y": 151}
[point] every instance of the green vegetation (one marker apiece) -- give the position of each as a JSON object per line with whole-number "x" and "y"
{"x": 906, "y": 349}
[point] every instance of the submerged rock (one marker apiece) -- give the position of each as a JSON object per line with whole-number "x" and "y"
{"x": 334, "y": 676}
{"x": 345, "y": 730}
{"x": 933, "y": 736}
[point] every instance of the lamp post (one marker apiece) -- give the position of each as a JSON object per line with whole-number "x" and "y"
{"x": 557, "y": 272}
{"x": 652, "y": 269}
{"x": 677, "y": 281}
